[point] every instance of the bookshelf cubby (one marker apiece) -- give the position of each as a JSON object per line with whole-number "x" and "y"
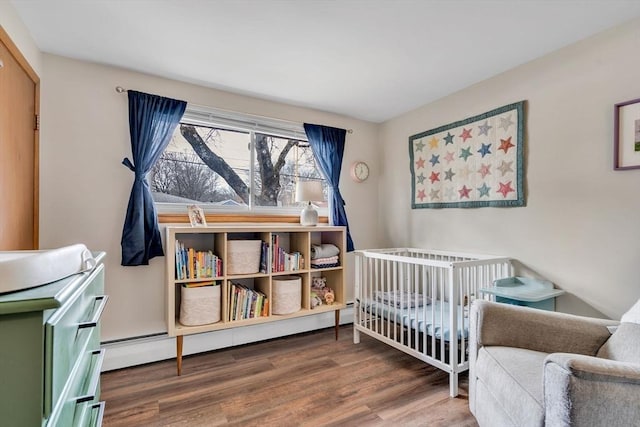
{"x": 288, "y": 252}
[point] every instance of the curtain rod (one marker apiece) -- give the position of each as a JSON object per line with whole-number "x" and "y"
{"x": 120, "y": 89}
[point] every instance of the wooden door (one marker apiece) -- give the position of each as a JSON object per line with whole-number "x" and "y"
{"x": 19, "y": 93}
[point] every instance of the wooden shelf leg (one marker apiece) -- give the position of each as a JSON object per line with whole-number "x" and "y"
{"x": 179, "y": 341}
{"x": 337, "y": 312}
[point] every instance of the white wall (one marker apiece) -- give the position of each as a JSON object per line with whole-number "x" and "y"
{"x": 580, "y": 227}
{"x": 13, "y": 25}
{"x": 85, "y": 188}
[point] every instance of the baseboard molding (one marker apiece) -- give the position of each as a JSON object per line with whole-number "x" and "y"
{"x": 142, "y": 350}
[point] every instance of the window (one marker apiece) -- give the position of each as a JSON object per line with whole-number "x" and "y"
{"x": 225, "y": 161}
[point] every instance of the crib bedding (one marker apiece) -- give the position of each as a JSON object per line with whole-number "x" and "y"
{"x": 432, "y": 319}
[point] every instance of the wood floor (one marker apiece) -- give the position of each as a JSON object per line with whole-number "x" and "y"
{"x": 308, "y": 379}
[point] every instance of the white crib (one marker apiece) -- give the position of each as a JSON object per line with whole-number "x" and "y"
{"x": 412, "y": 299}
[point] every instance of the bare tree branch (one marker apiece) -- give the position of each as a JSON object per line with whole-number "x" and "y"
{"x": 215, "y": 162}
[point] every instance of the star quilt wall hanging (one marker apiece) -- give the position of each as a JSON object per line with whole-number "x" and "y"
{"x": 475, "y": 162}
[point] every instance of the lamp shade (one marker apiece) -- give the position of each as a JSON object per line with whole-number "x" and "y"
{"x": 309, "y": 191}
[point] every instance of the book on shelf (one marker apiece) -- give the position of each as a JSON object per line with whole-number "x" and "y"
{"x": 246, "y": 303}
{"x": 282, "y": 260}
{"x": 264, "y": 257}
{"x": 193, "y": 264}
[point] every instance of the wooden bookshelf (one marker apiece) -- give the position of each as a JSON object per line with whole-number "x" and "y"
{"x": 292, "y": 239}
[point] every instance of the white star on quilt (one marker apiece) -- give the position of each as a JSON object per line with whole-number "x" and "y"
{"x": 484, "y": 129}
{"x": 465, "y": 172}
{"x": 448, "y": 193}
{"x": 505, "y": 123}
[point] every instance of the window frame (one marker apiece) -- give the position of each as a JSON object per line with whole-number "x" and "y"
{"x": 199, "y": 115}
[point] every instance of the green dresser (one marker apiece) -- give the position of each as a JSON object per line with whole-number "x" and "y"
{"x": 50, "y": 355}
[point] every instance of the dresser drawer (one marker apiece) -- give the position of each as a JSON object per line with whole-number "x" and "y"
{"x": 71, "y": 333}
{"x": 78, "y": 405}
{"x": 89, "y": 414}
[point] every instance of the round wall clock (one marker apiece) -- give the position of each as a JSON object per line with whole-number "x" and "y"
{"x": 359, "y": 171}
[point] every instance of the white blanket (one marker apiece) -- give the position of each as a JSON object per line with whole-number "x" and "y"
{"x": 401, "y": 299}
{"x": 324, "y": 250}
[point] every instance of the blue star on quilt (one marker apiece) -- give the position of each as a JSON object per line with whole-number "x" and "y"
{"x": 435, "y": 159}
{"x": 448, "y": 139}
{"x": 484, "y": 190}
{"x": 465, "y": 153}
{"x": 485, "y": 149}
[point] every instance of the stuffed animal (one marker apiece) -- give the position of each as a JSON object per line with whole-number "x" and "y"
{"x": 316, "y": 300}
{"x": 329, "y": 296}
{"x": 318, "y": 282}
{"x": 320, "y": 288}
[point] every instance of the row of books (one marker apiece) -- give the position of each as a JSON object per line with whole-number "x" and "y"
{"x": 246, "y": 303}
{"x": 282, "y": 260}
{"x": 289, "y": 261}
{"x": 192, "y": 264}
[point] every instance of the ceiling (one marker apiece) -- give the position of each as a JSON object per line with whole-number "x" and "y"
{"x": 368, "y": 59}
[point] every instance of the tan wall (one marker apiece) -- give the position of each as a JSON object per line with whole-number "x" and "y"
{"x": 85, "y": 188}
{"x": 580, "y": 227}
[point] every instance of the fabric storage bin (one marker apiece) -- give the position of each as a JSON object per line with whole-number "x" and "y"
{"x": 243, "y": 256}
{"x": 287, "y": 294}
{"x": 199, "y": 306}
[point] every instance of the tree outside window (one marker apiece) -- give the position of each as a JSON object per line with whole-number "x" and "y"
{"x": 223, "y": 168}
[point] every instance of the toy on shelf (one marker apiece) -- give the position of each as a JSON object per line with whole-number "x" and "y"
{"x": 321, "y": 290}
{"x": 316, "y": 300}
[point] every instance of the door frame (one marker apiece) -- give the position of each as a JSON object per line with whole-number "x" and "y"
{"x": 24, "y": 64}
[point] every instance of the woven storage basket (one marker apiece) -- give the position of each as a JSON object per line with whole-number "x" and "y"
{"x": 287, "y": 294}
{"x": 199, "y": 306}
{"x": 243, "y": 256}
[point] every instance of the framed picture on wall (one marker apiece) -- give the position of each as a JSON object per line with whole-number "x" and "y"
{"x": 626, "y": 139}
{"x": 196, "y": 216}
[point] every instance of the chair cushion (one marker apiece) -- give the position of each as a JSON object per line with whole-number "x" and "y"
{"x": 513, "y": 376}
{"x": 623, "y": 345}
{"x": 632, "y": 315}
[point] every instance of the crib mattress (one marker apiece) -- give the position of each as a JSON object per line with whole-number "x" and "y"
{"x": 432, "y": 319}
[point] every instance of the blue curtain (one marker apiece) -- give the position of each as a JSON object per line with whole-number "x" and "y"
{"x": 152, "y": 120}
{"x": 327, "y": 144}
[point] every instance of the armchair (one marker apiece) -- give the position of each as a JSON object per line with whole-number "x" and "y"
{"x": 530, "y": 367}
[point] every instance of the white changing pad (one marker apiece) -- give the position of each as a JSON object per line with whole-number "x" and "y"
{"x": 27, "y": 269}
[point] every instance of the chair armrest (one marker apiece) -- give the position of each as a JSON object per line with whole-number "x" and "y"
{"x": 586, "y": 390}
{"x": 524, "y": 327}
